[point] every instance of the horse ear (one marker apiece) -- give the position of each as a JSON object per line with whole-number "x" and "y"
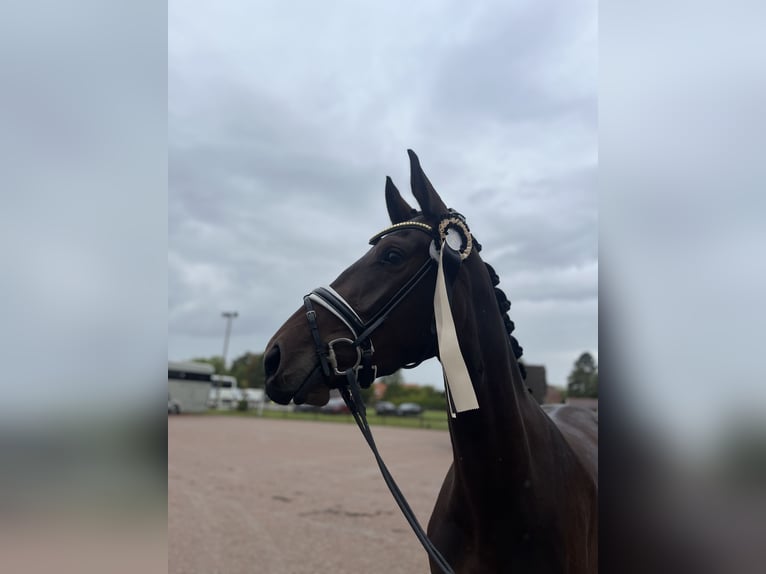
{"x": 398, "y": 209}
{"x": 430, "y": 202}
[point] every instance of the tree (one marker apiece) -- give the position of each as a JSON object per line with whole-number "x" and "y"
{"x": 368, "y": 395}
{"x": 583, "y": 380}
{"x": 248, "y": 370}
{"x": 394, "y": 386}
{"x": 425, "y": 396}
{"x": 394, "y": 378}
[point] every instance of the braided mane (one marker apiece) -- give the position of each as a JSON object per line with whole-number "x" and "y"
{"x": 504, "y": 305}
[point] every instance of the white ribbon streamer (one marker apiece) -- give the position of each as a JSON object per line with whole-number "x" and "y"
{"x": 458, "y": 381}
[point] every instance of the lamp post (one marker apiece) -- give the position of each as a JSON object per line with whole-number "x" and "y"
{"x": 229, "y": 316}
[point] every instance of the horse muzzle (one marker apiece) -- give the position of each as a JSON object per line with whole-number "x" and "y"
{"x": 280, "y": 384}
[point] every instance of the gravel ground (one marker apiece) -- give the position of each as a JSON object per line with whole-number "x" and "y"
{"x": 249, "y": 495}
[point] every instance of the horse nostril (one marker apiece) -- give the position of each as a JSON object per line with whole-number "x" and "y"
{"x": 271, "y": 361}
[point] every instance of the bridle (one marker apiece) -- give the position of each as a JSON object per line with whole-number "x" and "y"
{"x": 364, "y": 369}
{"x": 363, "y": 372}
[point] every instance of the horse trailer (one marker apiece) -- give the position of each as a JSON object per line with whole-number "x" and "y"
{"x": 189, "y": 385}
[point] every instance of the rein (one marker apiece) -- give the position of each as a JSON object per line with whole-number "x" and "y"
{"x": 363, "y": 372}
{"x": 353, "y": 399}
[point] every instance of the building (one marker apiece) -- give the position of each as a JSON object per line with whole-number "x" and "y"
{"x": 553, "y": 396}
{"x": 536, "y": 381}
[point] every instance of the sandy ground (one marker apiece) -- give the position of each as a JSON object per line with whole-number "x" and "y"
{"x": 249, "y": 495}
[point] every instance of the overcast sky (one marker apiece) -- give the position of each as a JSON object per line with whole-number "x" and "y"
{"x": 285, "y": 118}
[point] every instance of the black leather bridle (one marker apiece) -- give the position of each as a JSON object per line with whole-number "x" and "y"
{"x": 363, "y": 372}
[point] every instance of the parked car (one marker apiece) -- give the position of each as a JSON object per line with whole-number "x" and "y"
{"x": 173, "y": 407}
{"x": 335, "y": 406}
{"x": 409, "y": 409}
{"x": 306, "y": 408}
{"x": 385, "y": 408}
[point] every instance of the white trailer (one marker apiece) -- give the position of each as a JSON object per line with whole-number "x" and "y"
{"x": 189, "y": 385}
{"x": 225, "y": 394}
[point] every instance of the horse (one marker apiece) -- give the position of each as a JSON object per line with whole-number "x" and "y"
{"x": 521, "y": 493}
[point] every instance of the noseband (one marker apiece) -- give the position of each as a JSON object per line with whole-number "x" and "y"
{"x": 364, "y": 371}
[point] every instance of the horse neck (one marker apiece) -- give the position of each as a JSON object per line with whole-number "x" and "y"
{"x": 498, "y": 439}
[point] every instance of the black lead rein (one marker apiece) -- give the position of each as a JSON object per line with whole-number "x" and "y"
{"x": 353, "y": 399}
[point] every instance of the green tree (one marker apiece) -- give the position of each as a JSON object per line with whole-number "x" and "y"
{"x": 429, "y": 398}
{"x": 394, "y": 378}
{"x": 425, "y": 396}
{"x": 368, "y": 396}
{"x": 394, "y": 387}
{"x": 248, "y": 370}
{"x": 583, "y": 380}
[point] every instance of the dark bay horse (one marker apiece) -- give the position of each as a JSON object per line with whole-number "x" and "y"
{"x": 521, "y": 494}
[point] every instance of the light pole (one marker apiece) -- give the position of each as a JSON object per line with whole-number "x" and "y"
{"x": 229, "y": 316}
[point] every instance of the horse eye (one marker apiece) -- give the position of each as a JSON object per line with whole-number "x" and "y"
{"x": 393, "y": 256}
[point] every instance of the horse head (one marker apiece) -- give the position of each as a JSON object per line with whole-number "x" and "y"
{"x": 378, "y": 315}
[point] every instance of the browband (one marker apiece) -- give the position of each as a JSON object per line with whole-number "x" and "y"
{"x": 403, "y": 225}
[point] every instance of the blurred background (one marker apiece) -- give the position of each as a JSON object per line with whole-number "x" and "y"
{"x": 83, "y": 182}
{"x": 681, "y": 227}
